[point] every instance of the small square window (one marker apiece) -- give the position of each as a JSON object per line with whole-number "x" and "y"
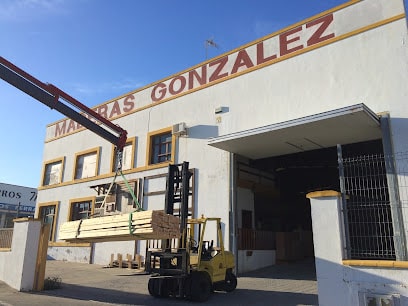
{"x": 86, "y": 164}
{"x": 80, "y": 209}
{"x": 127, "y": 156}
{"x": 161, "y": 148}
{"x": 52, "y": 172}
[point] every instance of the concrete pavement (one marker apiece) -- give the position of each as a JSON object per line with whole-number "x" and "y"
{"x": 83, "y": 284}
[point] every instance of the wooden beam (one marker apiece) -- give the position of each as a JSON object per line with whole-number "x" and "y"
{"x": 134, "y": 226}
{"x": 41, "y": 257}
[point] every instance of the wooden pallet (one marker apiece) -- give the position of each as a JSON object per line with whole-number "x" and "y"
{"x": 144, "y": 225}
{"x": 129, "y": 262}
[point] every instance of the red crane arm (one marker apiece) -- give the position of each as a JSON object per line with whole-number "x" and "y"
{"x": 50, "y": 95}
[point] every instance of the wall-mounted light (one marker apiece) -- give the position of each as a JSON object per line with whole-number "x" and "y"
{"x": 218, "y": 110}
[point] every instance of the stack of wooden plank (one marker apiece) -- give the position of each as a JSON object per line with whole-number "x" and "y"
{"x": 143, "y": 225}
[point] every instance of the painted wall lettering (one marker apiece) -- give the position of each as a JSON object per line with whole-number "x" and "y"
{"x": 110, "y": 111}
{"x": 297, "y": 39}
{"x": 268, "y": 50}
{"x": 293, "y": 40}
{"x": 218, "y": 71}
{"x": 322, "y": 25}
{"x": 260, "y": 54}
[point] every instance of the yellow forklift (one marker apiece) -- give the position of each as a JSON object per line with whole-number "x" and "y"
{"x": 199, "y": 264}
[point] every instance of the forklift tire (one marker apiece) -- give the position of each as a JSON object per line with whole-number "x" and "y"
{"x": 201, "y": 287}
{"x": 230, "y": 282}
{"x": 150, "y": 286}
{"x": 165, "y": 286}
{"x": 187, "y": 288}
{"x": 154, "y": 287}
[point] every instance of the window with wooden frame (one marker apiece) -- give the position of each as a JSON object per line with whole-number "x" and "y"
{"x": 52, "y": 172}
{"x": 86, "y": 164}
{"x": 47, "y": 213}
{"x": 81, "y": 208}
{"x": 119, "y": 199}
{"x": 128, "y": 155}
{"x": 161, "y": 146}
{"x": 124, "y": 196}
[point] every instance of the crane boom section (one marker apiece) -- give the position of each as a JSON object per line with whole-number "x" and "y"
{"x": 51, "y": 95}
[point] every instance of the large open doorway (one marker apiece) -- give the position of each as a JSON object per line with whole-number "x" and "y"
{"x": 274, "y": 219}
{"x": 277, "y": 165}
{"x": 288, "y": 213}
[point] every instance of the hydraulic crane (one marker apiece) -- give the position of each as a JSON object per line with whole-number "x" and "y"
{"x": 196, "y": 267}
{"x": 59, "y": 100}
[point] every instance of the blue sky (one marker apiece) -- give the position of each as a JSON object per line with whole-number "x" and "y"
{"x": 96, "y": 50}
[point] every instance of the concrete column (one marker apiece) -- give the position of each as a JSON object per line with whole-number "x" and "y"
{"x": 20, "y": 270}
{"x": 327, "y": 238}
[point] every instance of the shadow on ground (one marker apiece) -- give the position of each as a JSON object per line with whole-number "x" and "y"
{"x": 302, "y": 270}
{"x": 238, "y": 297}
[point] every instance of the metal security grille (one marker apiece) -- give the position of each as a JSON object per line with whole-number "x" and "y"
{"x": 6, "y": 237}
{"x": 367, "y": 208}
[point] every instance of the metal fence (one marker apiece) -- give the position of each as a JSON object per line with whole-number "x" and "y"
{"x": 250, "y": 239}
{"x": 6, "y": 237}
{"x": 375, "y": 193}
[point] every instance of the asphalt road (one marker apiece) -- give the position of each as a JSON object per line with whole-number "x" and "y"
{"x": 83, "y": 284}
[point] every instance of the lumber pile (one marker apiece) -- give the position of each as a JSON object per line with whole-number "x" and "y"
{"x": 143, "y": 225}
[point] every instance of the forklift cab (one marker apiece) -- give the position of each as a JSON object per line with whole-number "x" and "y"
{"x": 206, "y": 253}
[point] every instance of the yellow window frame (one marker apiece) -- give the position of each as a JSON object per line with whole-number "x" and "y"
{"x": 54, "y": 223}
{"x": 77, "y": 200}
{"x": 149, "y": 150}
{"x": 96, "y": 150}
{"x": 131, "y": 141}
{"x": 49, "y": 162}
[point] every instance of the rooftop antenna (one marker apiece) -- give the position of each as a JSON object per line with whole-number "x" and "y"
{"x": 209, "y": 43}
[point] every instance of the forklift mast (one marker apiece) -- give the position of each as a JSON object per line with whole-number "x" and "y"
{"x": 174, "y": 261}
{"x": 51, "y": 96}
{"x": 178, "y": 191}
{"x": 194, "y": 268}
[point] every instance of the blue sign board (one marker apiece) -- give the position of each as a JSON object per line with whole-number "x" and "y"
{"x": 11, "y": 208}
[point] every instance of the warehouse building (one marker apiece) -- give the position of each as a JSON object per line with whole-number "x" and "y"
{"x": 262, "y": 127}
{"x": 16, "y": 202}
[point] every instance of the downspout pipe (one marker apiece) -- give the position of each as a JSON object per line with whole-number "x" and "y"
{"x": 233, "y": 246}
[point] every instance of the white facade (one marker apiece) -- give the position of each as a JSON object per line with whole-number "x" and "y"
{"x": 340, "y": 284}
{"x": 321, "y": 82}
{"x": 18, "y": 265}
{"x": 16, "y": 201}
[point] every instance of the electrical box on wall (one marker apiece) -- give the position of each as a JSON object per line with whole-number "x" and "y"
{"x": 373, "y": 299}
{"x": 179, "y": 129}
